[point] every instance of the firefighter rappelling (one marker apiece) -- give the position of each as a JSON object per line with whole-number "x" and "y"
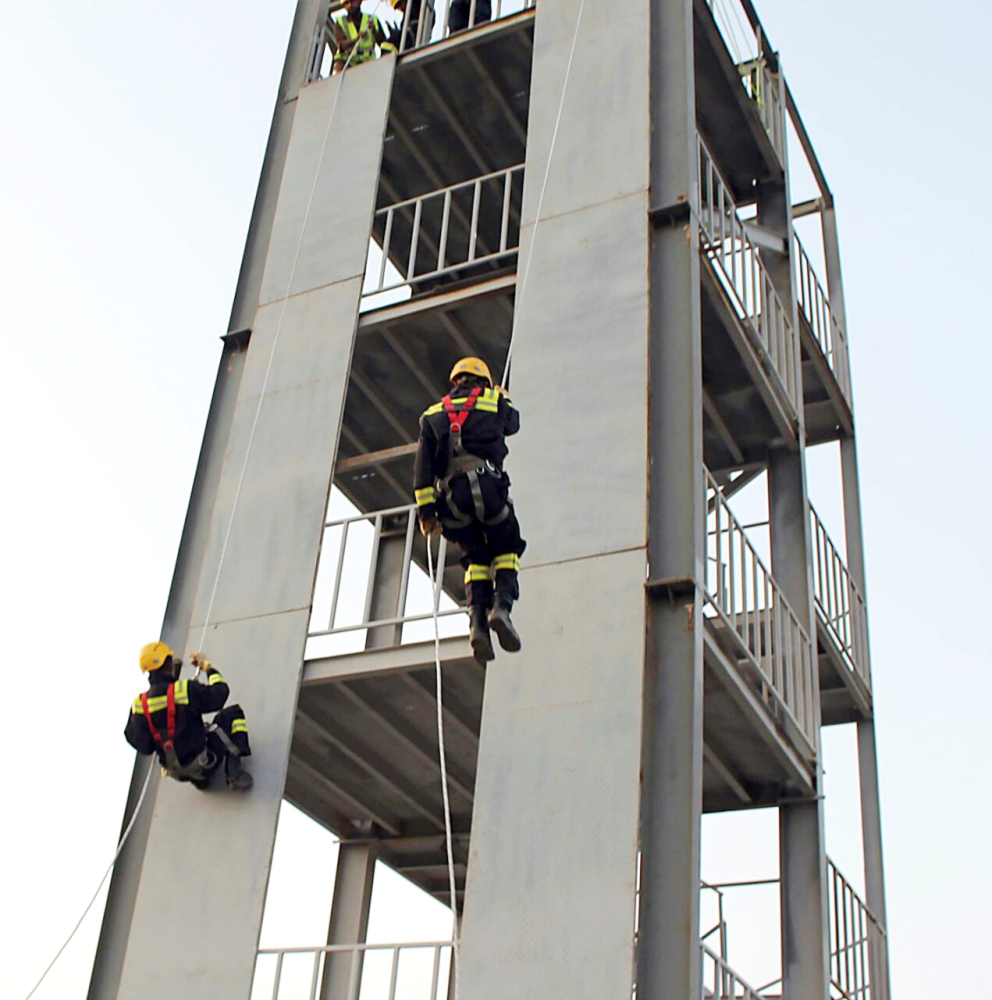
{"x": 167, "y": 720}
{"x": 462, "y": 490}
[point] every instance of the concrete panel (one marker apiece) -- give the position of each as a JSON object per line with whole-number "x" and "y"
{"x": 579, "y": 465}
{"x": 337, "y": 230}
{"x": 207, "y": 864}
{"x": 550, "y": 900}
{"x": 281, "y": 506}
{"x": 602, "y": 147}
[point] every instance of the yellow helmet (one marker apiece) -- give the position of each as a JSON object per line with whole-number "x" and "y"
{"x": 154, "y": 656}
{"x": 472, "y": 366}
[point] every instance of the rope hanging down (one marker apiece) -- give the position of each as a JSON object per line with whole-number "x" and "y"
{"x": 234, "y": 506}
{"x": 442, "y": 756}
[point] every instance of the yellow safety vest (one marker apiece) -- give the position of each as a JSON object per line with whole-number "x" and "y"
{"x": 366, "y": 35}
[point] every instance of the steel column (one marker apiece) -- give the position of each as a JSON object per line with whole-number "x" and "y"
{"x": 871, "y": 811}
{"x": 802, "y": 850}
{"x": 667, "y": 948}
{"x": 349, "y": 917}
{"x": 803, "y": 860}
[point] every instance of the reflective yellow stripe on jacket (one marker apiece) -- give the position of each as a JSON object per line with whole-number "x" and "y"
{"x": 161, "y": 701}
{"x": 425, "y": 496}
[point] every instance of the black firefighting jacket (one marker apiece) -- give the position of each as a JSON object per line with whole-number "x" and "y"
{"x": 192, "y": 700}
{"x": 492, "y": 419}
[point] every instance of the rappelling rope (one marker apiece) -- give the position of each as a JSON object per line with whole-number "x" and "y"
{"x": 110, "y": 868}
{"x": 442, "y": 757}
{"x": 237, "y": 494}
{"x": 540, "y": 202}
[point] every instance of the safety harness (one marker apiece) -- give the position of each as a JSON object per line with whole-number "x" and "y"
{"x": 198, "y": 768}
{"x": 463, "y": 463}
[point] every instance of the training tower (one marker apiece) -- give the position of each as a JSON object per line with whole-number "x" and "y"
{"x": 674, "y": 343}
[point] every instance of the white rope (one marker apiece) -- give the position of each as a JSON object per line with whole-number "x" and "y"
{"x": 110, "y": 867}
{"x": 435, "y": 600}
{"x": 237, "y": 494}
{"x": 540, "y": 201}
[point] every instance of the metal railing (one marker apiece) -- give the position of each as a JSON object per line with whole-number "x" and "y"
{"x": 720, "y": 982}
{"x": 839, "y": 603}
{"x": 346, "y": 555}
{"x": 857, "y": 943}
{"x": 447, "y": 231}
{"x": 744, "y": 47}
{"x": 738, "y": 267}
{"x": 423, "y": 22}
{"x": 827, "y": 331}
{"x": 742, "y": 592}
{"x": 426, "y": 979}
{"x": 762, "y": 87}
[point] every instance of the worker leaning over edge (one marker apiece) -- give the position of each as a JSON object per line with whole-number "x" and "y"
{"x": 461, "y": 490}
{"x": 353, "y": 28}
{"x": 168, "y": 720}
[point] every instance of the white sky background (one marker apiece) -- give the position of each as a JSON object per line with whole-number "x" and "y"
{"x": 132, "y": 136}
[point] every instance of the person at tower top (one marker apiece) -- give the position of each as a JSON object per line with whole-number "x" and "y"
{"x": 462, "y": 490}
{"x": 168, "y": 720}
{"x": 354, "y": 29}
{"x": 409, "y": 12}
{"x": 460, "y": 14}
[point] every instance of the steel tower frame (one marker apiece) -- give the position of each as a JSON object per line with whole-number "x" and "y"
{"x": 674, "y": 344}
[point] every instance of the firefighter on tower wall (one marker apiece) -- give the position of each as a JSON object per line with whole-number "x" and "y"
{"x": 168, "y": 720}
{"x": 462, "y": 490}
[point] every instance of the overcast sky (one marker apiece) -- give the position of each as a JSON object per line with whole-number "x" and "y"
{"x": 132, "y": 137}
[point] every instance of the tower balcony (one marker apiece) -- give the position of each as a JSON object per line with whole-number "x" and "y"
{"x": 738, "y": 97}
{"x": 827, "y": 395}
{"x": 759, "y": 695}
{"x": 423, "y": 969}
{"x": 842, "y": 633}
{"x": 750, "y": 348}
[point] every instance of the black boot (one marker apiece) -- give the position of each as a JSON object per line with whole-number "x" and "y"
{"x": 238, "y": 779}
{"x": 499, "y": 622}
{"x": 482, "y": 643}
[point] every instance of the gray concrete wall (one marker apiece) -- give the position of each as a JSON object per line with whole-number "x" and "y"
{"x": 206, "y": 868}
{"x": 550, "y": 899}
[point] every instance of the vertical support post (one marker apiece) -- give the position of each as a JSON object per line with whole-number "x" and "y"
{"x": 668, "y": 966}
{"x": 349, "y": 917}
{"x": 802, "y": 849}
{"x": 387, "y": 583}
{"x": 871, "y": 812}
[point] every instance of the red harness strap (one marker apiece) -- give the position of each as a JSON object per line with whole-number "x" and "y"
{"x": 170, "y": 719}
{"x": 457, "y": 418}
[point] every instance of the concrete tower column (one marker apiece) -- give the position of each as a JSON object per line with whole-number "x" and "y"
{"x": 271, "y": 499}
{"x": 557, "y": 795}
